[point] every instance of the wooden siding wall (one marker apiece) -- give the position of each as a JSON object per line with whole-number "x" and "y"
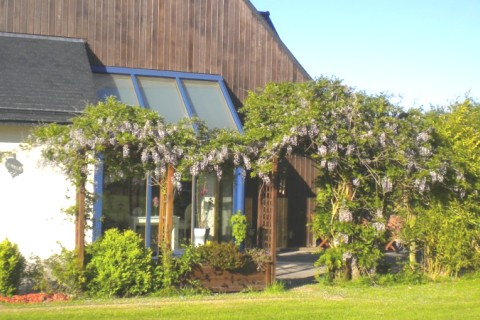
{"x": 205, "y": 36}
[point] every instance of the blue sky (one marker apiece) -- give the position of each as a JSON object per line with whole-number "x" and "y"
{"x": 425, "y": 52}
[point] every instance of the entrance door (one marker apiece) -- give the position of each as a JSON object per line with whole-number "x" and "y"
{"x": 295, "y": 202}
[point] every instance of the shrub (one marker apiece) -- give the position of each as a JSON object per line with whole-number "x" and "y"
{"x": 12, "y": 264}
{"x": 119, "y": 265}
{"x": 60, "y": 273}
{"x": 173, "y": 271}
{"x": 238, "y": 223}
{"x": 222, "y": 256}
{"x": 449, "y": 238}
{"x": 345, "y": 258}
{"x": 260, "y": 257}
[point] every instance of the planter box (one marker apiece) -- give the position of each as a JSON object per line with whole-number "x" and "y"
{"x": 231, "y": 280}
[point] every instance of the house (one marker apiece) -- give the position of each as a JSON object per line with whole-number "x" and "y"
{"x": 200, "y": 56}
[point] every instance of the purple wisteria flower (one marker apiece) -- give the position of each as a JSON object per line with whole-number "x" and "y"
{"x": 345, "y": 215}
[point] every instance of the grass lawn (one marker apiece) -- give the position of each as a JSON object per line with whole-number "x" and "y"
{"x": 456, "y": 299}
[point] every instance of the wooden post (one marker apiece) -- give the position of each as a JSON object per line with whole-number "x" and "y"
{"x": 217, "y": 212}
{"x": 162, "y": 210}
{"x": 268, "y": 274}
{"x": 80, "y": 225}
{"x": 169, "y": 207}
{"x": 260, "y": 230}
{"x": 273, "y": 235}
{"x": 165, "y": 218}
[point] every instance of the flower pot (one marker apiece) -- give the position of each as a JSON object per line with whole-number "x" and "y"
{"x": 237, "y": 280}
{"x": 200, "y": 236}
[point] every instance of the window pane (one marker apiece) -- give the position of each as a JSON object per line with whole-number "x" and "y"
{"x": 162, "y": 95}
{"x": 123, "y": 202}
{"x": 214, "y": 205}
{"x": 116, "y": 85}
{"x": 209, "y": 104}
{"x": 226, "y": 198}
{"x": 206, "y": 189}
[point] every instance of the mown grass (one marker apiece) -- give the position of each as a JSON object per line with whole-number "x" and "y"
{"x": 456, "y": 299}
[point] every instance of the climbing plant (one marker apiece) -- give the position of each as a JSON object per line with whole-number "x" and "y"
{"x": 134, "y": 142}
{"x": 375, "y": 160}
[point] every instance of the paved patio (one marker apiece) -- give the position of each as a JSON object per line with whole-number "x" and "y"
{"x": 296, "y": 267}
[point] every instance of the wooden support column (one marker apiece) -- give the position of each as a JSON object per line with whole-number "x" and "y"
{"x": 273, "y": 219}
{"x": 169, "y": 207}
{"x": 165, "y": 223}
{"x": 217, "y": 214}
{"x": 80, "y": 225}
{"x": 162, "y": 212}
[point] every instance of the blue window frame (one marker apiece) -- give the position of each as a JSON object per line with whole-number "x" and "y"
{"x": 189, "y": 86}
{"x": 184, "y": 95}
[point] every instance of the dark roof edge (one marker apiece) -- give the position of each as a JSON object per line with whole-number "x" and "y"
{"x": 35, "y": 36}
{"x": 11, "y": 123}
{"x": 276, "y": 36}
{"x": 46, "y": 116}
{"x": 266, "y": 15}
{"x": 48, "y": 111}
{"x": 30, "y": 123}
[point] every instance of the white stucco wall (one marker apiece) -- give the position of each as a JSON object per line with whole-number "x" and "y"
{"x": 31, "y": 203}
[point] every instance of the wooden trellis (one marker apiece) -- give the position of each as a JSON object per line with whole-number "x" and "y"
{"x": 267, "y": 219}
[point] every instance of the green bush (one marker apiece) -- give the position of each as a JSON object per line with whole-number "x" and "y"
{"x": 60, "y": 272}
{"x": 449, "y": 238}
{"x": 173, "y": 272}
{"x": 406, "y": 276}
{"x": 238, "y": 222}
{"x": 260, "y": 257}
{"x": 12, "y": 264}
{"x": 222, "y": 256}
{"x": 358, "y": 253}
{"x": 119, "y": 266}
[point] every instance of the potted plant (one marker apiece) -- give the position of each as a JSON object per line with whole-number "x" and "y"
{"x": 200, "y": 236}
{"x": 238, "y": 222}
{"x": 224, "y": 268}
{"x": 201, "y": 232}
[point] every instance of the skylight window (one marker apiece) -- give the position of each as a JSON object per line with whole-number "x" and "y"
{"x": 119, "y": 86}
{"x": 173, "y": 95}
{"x": 208, "y": 103}
{"x": 163, "y": 96}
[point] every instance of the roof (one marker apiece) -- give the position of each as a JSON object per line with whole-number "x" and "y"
{"x": 44, "y": 79}
{"x": 266, "y": 16}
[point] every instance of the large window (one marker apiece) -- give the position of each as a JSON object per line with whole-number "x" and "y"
{"x": 173, "y": 95}
{"x": 209, "y": 104}
{"x": 117, "y": 85}
{"x": 133, "y": 204}
{"x": 163, "y": 96}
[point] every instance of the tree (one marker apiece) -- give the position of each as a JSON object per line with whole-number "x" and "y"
{"x": 375, "y": 161}
{"x": 351, "y": 136}
{"x": 444, "y": 218}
